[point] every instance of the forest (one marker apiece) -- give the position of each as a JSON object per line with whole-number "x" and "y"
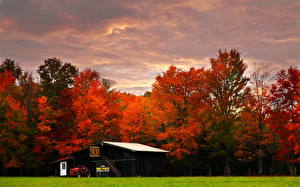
{"x": 214, "y": 121}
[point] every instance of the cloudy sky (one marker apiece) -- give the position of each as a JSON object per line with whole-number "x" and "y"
{"x": 131, "y": 41}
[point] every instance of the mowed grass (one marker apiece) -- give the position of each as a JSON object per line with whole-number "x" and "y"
{"x": 149, "y": 181}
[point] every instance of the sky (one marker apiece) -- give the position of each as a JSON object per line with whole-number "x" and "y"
{"x": 131, "y": 41}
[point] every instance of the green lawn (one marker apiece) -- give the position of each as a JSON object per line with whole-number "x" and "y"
{"x": 150, "y": 181}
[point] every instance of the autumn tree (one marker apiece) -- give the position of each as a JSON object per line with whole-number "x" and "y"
{"x": 227, "y": 95}
{"x": 45, "y": 139}
{"x": 136, "y": 123}
{"x": 97, "y": 113}
{"x": 15, "y": 134}
{"x": 253, "y": 136}
{"x": 29, "y": 92}
{"x": 284, "y": 115}
{"x": 87, "y": 114}
{"x": 55, "y": 117}
{"x": 171, "y": 109}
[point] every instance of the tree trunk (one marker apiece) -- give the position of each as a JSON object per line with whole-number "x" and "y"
{"x": 208, "y": 168}
{"x": 209, "y": 171}
{"x": 21, "y": 172}
{"x": 260, "y": 160}
{"x": 226, "y": 165}
{"x": 291, "y": 168}
{"x": 36, "y": 172}
{"x": 227, "y": 170}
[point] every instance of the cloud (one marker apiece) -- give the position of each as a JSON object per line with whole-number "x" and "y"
{"x": 192, "y": 62}
{"x": 131, "y": 41}
{"x": 283, "y": 40}
{"x": 136, "y": 90}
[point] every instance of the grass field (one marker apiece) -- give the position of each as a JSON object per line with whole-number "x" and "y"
{"x": 150, "y": 181}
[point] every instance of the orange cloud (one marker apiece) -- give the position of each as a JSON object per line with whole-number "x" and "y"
{"x": 132, "y": 41}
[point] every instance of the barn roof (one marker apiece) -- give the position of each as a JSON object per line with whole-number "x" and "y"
{"x": 62, "y": 159}
{"x": 135, "y": 147}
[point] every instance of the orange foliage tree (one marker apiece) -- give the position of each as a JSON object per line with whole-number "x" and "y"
{"x": 136, "y": 123}
{"x": 14, "y": 132}
{"x": 88, "y": 113}
{"x": 171, "y": 109}
{"x": 97, "y": 112}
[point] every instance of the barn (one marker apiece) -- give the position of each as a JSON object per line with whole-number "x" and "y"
{"x": 108, "y": 159}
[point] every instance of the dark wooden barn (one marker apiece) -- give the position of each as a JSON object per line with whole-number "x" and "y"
{"x": 115, "y": 159}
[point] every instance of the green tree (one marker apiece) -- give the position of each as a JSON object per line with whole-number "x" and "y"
{"x": 228, "y": 93}
{"x": 11, "y": 66}
{"x": 107, "y": 83}
{"x": 55, "y": 76}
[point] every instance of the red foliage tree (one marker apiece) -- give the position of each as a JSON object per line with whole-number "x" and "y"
{"x": 253, "y": 135}
{"x": 284, "y": 115}
{"x": 6, "y": 80}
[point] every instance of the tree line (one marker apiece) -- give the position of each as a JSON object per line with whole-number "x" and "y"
{"x": 213, "y": 118}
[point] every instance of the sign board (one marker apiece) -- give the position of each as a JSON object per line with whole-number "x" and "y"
{"x": 102, "y": 169}
{"x": 63, "y": 168}
{"x": 94, "y": 151}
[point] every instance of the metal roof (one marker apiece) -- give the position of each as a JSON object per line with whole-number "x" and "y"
{"x": 135, "y": 147}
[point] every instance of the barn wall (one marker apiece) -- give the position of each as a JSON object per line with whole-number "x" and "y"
{"x": 127, "y": 162}
{"x": 151, "y": 164}
{"x": 124, "y": 160}
{"x": 83, "y": 158}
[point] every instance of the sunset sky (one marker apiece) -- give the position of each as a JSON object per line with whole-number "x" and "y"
{"x": 131, "y": 41}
